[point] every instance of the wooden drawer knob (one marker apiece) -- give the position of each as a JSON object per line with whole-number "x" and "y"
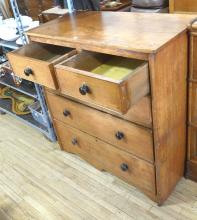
{"x": 28, "y": 71}
{"x": 74, "y": 141}
{"x": 84, "y": 89}
{"x": 119, "y": 135}
{"x": 124, "y": 167}
{"x": 66, "y": 113}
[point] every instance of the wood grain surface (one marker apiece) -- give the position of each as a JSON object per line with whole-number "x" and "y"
{"x": 169, "y": 103}
{"x": 120, "y": 33}
{"x": 140, "y": 113}
{"x": 183, "y": 6}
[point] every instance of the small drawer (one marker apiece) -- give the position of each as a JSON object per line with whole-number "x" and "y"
{"x": 192, "y": 143}
{"x": 105, "y": 80}
{"x": 35, "y": 62}
{"x": 106, "y": 157}
{"x": 193, "y": 103}
{"x": 193, "y": 57}
{"x": 121, "y": 133}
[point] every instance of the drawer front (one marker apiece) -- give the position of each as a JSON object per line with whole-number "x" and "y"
{"x": 193, "y": 103}
{"x": 117, "y": 95}
{"x": 121, "y": 133}
{"x": 140, "y": 113}
{"x": 43, "y": 73}
{"x": 106, "y": 157}
{"x": 35, "y": 62}
{"x": 192, "y": 143}
{"x": 191, "y": 170}
{"x": 193, "y": 58}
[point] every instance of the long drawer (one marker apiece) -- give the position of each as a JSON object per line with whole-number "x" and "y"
{"x": 118, "y": 132}
{"x": 106, "y": 157}
{"x": 105, "y": 80}
{"x": 140, "y": 113}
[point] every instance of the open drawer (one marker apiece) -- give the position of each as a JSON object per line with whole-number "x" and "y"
{"x": 105, "y": 80}
{"x": 35, "y": 62}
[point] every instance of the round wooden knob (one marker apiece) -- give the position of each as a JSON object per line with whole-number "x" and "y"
{"x": 28, "y": 71}
{"x": 124, "y": 167}
{"x": 74, "y": 141}
{"x": 84, "y": 89}
{"x": 119, "y": 135}
{"x": 66, "y": 113}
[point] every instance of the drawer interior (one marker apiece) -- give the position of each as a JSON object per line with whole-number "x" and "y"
{"x": 109, "y": 66}
{"x": 44, "y": 52}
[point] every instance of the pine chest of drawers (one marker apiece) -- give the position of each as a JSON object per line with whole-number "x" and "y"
{"x": 132, "y": 125}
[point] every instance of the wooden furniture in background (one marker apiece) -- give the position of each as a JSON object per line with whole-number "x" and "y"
{"x": 51, "y": 14}
{"x": 147, "y": 151}
{"x": 34, "y": 8}
{"x": 183, "y": 6}
{"x": 190, "y": 6}
{"x": 191, "y": 169}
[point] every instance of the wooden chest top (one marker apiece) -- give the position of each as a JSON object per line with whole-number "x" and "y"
{"x": 113, "y": 31}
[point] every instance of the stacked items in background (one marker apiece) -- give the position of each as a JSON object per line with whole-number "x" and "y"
{"x": 3, "y": 62}
{"x": 20, "y": 98}
{"x": 9, "y": 31}
{"x": 150, "y": 6}
{"x": 115, "y": 5}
